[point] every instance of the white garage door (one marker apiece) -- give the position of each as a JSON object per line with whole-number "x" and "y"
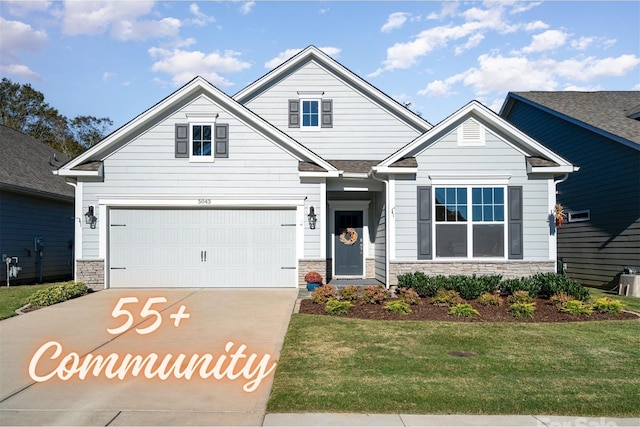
{"x": 202, "y": 248}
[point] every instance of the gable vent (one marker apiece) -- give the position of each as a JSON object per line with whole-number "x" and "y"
{"x": 470, "y": 133}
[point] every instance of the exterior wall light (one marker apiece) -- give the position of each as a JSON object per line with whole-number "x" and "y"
{"x": 312, "y": 217}
{"x": 90, "y": 218}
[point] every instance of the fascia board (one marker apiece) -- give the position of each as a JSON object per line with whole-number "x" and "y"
{"x": 395, "y": 171}
{"x": 328, "y": 174}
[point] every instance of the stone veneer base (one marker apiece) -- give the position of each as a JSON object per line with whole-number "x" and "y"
{"x": 91, "y": 273}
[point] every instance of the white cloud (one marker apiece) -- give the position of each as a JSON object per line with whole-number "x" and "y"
{"x": 18, "y": 70}
{"x": 436, "y": 88}
{"x": 121, "y": 18}
{"x": 535, "y": 26}
{"x": 201, "y": 18}
{"x": 184, "y": 65}
{"x": 247, "y": 6}
{"x": 108, "y": 75}
{"x": 284, "y": 56}
{"x": 549, "y": 40}
{"x": 394, "y": 21}
{"x": 472, "y": 42}
{"x": 124, "y": 30}
{"x": 448, "y": 9}
{"x": 587, "y": 69}
{"x": 16, "y": 36}
{"x": 22, "y": 8}
{"x": 478, "y": 21}
{"x": 582, "y": 43}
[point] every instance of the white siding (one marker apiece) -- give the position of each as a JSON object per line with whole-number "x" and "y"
{"x": 496, "y": 157}
{"x": 361, "y": 128}
{"x": 256, "y": 167}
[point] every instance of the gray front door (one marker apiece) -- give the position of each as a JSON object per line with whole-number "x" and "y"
{"x": 348, "y": 243}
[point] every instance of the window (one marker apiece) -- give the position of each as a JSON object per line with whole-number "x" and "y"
{"x": 201, "y": 142}
{"x": 460, "y": 235}
{"x": 310, "y": 113}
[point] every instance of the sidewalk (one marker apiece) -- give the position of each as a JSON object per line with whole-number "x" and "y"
{"x": 321, "y": 419}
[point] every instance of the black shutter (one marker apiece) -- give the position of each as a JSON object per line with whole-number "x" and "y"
{"x": 182, "y": 140}
{"x": 424, "y": 223}
{"x": 221, "y": 141}
{"x": 327, "y": 113}
{"x": 294, "y": 113}
{"x": 515, "y": 223}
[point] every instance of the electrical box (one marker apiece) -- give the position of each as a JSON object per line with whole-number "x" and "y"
{"x": 38, "y": 244}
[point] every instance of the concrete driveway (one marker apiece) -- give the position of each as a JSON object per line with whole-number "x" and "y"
{"x": 235, "y": 334}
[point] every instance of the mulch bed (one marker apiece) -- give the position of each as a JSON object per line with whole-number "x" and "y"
{"x": 544, "y": 312}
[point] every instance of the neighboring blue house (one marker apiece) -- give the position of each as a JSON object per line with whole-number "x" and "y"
{"x": 600, "y": 132}
{"x": 36, "y": 210}
{"x": 309, "y": 168}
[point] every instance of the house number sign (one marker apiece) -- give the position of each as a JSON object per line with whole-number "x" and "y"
{"x": 234, "y": 362}
{"x": 204, "y": 201}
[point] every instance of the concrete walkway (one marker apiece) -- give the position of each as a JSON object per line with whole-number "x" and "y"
{"x": 255, "y": 318}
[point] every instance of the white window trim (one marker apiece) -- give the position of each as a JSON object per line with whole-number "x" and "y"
{"x": 310, "y": 96}
{"x": 202, "y": 121}
{"x": 470, "y": 223}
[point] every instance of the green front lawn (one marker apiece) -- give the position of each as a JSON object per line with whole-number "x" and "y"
{"x": 331, "y": 364}
{"x": 14, "y": 297}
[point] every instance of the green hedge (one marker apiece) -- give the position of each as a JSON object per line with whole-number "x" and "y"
{"x": 471, "y": 287}
{"x": 58, "y": 293}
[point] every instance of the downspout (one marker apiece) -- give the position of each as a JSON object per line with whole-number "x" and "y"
{"x": 562, "y": 179}
{"x": 76, "y": 228}
{"x": 387, "y": 244}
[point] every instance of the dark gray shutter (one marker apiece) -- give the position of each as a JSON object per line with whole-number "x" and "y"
{"x": 221, "y": 141}
{"x": 424, "y": 223}
{"x": 182, "y": 140}
{"x": 327, "y": 113}
{"x": 294, "y": 113}
{"x": 515, "y": 223}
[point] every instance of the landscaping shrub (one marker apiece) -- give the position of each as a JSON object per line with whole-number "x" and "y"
{"x": 323, "y": 293}
{"x": 349, "y": 293}
{"x": 463, "y": 310}
{"x": 522, "y": 309}
{"x": 608, "y": 305}
{"x": 446, "y": 298}
{"x": 552, "y": 283}
{"x": 509, "y": 286}
{"x": 337, "y": 308}
{"x": 398, "y": 307}
{"x": 425, "y": 286}
{"x": 375, "y": 294}
{"x": 409, "y": 296}
{"x": 489, "y": 298}
{"x": 471, "y": 287}
{"x": 520, "y": 297}
{"x": 577, "y": 308}
{"x": 560, "y": 299}
{"x": 57, "y": 293}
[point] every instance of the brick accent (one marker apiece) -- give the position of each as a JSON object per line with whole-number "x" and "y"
{"x": 508, "y": 269}
{"x": 307, "y": 265}
{"x": 91, "y": 273}
{"x": 370, "y": 268}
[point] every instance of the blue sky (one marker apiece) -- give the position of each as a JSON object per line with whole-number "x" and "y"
{"x": 118, "y": 58}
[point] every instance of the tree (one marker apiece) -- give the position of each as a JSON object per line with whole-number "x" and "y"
{"x": 24, "y": 109}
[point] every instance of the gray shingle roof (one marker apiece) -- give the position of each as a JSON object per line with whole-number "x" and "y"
{"x": 27, "y": 164}
{"x": 607, "y": 110}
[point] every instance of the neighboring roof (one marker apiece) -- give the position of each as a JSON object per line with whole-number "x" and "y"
{"x": 197, "y": 86}
{"x": 27, "y": 164}
{"x": 541, "y": 157}
{"x": 312, "y": 53}
{"x": 613, "y": 114}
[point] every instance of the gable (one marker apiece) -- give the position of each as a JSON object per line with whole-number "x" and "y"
{"x": 360, "y": 127}
{"x": 158, "y": 115}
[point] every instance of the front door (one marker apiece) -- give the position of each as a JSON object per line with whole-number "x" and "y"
{"x": 348, "y": 244}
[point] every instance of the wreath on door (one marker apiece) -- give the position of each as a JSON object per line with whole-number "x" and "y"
{"x": 349, "y": 236}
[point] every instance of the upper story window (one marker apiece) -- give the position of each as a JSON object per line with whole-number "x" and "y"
{"x": 310, "y": 111}
{"x": 202, "y": 140}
